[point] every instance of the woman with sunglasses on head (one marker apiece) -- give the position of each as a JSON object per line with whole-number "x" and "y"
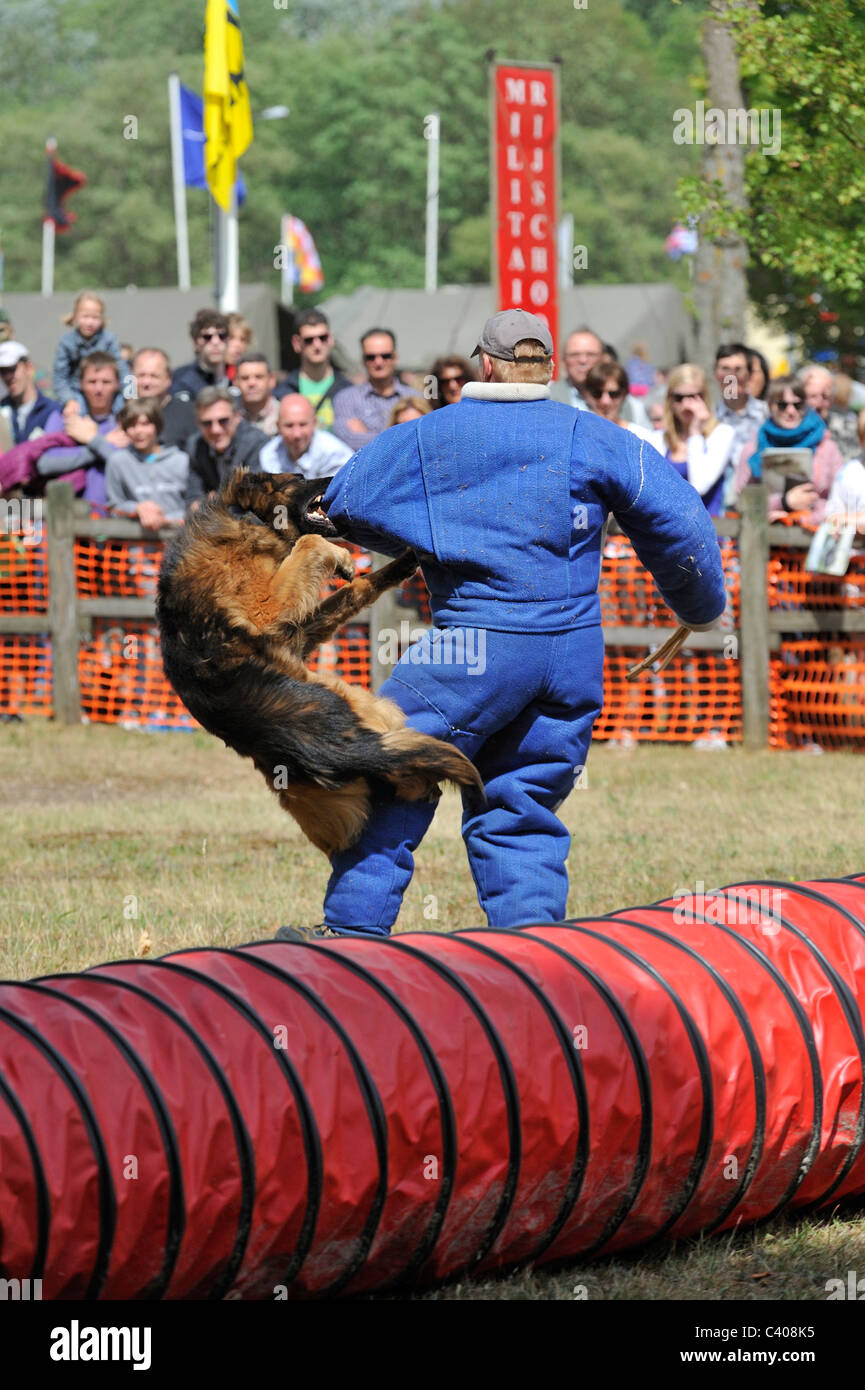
{"x": 606, "y": 389}
{"x": 692, "y": 439}
{"x": 451, "y": 375}
{"x": 791, "y": 425}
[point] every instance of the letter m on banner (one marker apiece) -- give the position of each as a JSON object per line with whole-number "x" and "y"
{"x": 524, "y": 168}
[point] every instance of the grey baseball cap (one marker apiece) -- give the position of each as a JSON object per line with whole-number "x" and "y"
{"x": 504, "y": 330}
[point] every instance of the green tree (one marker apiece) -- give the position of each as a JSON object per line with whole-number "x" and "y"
{"x": 350, "y": 159}
{"x": 802, "y": 58}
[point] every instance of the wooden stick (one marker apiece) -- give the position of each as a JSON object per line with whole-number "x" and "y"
{"x": 663, "y": 655}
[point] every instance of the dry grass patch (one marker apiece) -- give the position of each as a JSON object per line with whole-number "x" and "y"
{"x": 112, "y": 834}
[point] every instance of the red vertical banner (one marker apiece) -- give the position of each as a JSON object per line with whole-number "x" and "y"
{"x": 525, "y": 191}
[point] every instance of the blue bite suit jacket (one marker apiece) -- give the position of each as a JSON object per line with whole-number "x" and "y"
{"x": 504, "y": 503}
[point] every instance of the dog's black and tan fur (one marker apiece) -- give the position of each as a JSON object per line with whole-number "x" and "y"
{"x": 240, "y": 611}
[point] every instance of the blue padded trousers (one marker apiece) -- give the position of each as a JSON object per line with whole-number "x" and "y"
{"x": 521, "y": 706}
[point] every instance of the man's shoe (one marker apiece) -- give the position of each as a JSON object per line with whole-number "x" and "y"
{"x": 304, "y": 934}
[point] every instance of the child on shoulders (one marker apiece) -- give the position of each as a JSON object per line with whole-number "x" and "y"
{"x": 87, "y": 333}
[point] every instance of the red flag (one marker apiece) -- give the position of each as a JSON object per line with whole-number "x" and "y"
{"x": 61, "y": 183}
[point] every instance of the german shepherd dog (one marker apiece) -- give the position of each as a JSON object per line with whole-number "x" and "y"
{"x": 240, "y": 610}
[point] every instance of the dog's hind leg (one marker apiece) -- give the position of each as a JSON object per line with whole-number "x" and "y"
{"x": 373, "y": 711}
{"x": 331, "y": 820}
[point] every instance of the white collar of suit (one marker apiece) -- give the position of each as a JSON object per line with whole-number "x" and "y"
{"x": 505, "y": 391}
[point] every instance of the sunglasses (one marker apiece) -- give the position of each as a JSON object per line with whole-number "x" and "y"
{"x": 373, "y": 356}
{"x": 454, "y": 380}
{"x": 315, "y": 338}
{"x": 613, "y": 395}
{"x": 217, "y": 333}
{"x": 222, "y": 423}
{"x": 790, "y": 405}
{"x": 680, "y": 396}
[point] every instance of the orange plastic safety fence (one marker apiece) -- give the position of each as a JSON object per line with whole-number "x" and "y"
{"x": 23, "y": 572}
{"x": 122, "y": 680}
{"x": 818, "y": 689}
{"x": 698, "y": 698}
{"x": 815, "y": 682}
{"x": 116, "y": 568}
{"x": 25, "y": 675}
{"x": 791, "y": 586}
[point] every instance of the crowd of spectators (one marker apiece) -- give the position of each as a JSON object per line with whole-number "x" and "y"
{"x": 137, "y": 438}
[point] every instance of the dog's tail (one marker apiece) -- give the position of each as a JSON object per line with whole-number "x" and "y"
{"x": 415, "y": 764}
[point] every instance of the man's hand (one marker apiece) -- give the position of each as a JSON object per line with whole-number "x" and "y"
{"x": 151, "y": 516}
{"x": 80, "y": 428}
{"x": 118, "y": 437}
{"x": 70, "y": 410}
{"x": 801, "y": 498}
{"x": 356, "y": 426}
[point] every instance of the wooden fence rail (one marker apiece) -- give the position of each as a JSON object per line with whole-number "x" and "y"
{"x": 69, "y": 618}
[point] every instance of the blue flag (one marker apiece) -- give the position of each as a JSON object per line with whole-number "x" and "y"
{"x": 192, "y": 130}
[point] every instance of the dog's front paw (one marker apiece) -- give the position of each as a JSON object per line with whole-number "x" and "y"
{"x": 344, "y": 565}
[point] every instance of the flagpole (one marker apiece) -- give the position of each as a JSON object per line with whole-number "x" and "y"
{"x": 225, "y": 260}
{"x": 431, "y": 135}
{"x": 47, "y": 257}
{"x": 566, "y": 252}
{"x": 232, "y": 257}
{"x": 179, "y": 180}
{"x": 48, "y": 234}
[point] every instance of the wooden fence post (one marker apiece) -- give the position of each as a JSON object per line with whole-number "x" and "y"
{"x": 63, "y": 602}
{"x": 754, "y": 614}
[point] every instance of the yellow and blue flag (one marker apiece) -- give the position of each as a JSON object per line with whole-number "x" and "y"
{"x": 227, "y": 116}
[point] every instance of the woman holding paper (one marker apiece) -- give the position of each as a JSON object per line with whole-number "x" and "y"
{"x": 791, "y": 425}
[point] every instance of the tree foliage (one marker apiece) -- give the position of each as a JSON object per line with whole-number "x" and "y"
{"x": 350, "y": 159}
{"x": 802, "y": 58}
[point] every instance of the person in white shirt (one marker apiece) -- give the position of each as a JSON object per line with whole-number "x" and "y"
{"x": 846, "y": 501}
{"x": 299, "y": 447}
{"x": 692, "y": 439}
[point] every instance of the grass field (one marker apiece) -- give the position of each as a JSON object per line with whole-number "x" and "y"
{"x": 114, "y": 834}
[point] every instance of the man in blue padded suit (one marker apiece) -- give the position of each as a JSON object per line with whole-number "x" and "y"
{"x": 503, "y": 497}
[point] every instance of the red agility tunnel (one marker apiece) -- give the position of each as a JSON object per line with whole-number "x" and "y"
{"x": 288, "y": 1120}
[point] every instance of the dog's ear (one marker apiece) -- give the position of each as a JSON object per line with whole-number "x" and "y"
{"x": 237, "y": 491}
{"x": 252, "y": 492}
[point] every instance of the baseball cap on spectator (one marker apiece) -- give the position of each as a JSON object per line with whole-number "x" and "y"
{"x": 11, "y": 353}
{"x": 504, "y": 330}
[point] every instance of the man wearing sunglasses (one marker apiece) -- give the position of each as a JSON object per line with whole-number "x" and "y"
{"x": 737, "y": 407}
{"x": 316, "y": 378}
{"x": 209, "y": 334}
{"x": 362, "y": 412}
{"x": 224, "y": 441}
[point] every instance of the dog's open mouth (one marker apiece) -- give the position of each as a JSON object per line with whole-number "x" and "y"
{"x": 316, "y": 519}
